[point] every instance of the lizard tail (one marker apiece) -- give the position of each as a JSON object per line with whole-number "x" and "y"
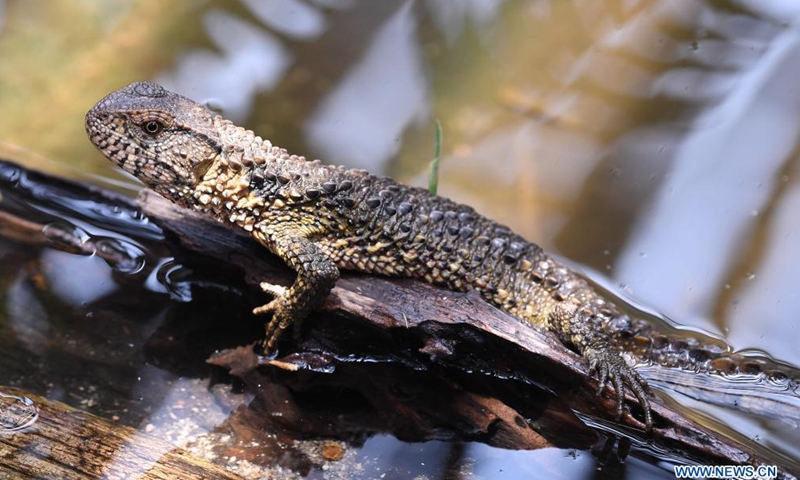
{"x": 694, "y": 351}
{"x": 707, "y": 369}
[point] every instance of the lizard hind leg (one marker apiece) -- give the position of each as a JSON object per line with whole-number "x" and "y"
{"x": 577, "y": 327}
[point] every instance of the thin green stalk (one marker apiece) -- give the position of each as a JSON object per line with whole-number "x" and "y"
{"x": 433, "y": 168}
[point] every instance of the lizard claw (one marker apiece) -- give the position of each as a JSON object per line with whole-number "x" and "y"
{"x": 611, "y": 368}
{"x": 272, "y": 289}
{"x": 266, "y": 308}
{"x": 276, "y": 291}
{"x": 281, "y": 316}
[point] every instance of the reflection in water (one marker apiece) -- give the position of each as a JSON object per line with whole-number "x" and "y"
{"x": 68, "y": 238}
{"x": 652, "y": 140}
{"x": 292, "y": 18}
{"x": 171, "y": 277}
{"x": 26, "y": 314}
{"x": 121, "y": 255}
{"x": 769, "y": 399}
{"x": 359, "y": 123}
{"x": 337, "y": 4}
{"x": 777, "y": 279}
{"x": 453, "y": 16}
{"x": 252, "y": 61}
{"x": 76, "y": 280}
{"x": 715, "y": 194}
{"x": 383, "y": 456}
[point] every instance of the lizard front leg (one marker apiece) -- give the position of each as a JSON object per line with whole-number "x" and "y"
{"x": 316, "y": 275}
{"x": 577, "y": 327}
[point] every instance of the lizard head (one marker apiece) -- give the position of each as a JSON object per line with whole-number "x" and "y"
{"x": 165, "y": 140}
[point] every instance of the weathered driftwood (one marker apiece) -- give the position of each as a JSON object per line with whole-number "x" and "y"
{"x": 439, "y": 365}
{"x": 444, "y": 321}
{"x": 68, "y": 444}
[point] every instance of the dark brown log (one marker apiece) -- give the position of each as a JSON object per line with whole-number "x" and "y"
{"x": 449, "y": 318}
{"x": 68, "y": 444}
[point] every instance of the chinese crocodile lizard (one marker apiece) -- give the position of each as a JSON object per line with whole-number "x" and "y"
{"x": 320, "y": 218}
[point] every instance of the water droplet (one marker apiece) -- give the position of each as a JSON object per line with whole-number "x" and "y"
{"x": 10, "y": 175}
{"x": 121, "y": 255}
{"x": 175, "y": 279}
{"x": 16, "y": 413}
{"x": 67, "y": 237}
{"x": 750, "y": 276}
{"x": 754, "y": 213}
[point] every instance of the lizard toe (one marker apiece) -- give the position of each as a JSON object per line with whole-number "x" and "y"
{"x": 266, "y": 308}
{"x": 272, "y": 289}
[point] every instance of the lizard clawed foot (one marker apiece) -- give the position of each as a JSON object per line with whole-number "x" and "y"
{"x": 277, "y": 291}
{"x": 611, "y": 368}
{"x": 281, "y": 316}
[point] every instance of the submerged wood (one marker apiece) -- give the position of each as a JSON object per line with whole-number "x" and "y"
{"x": 67, "y": 444}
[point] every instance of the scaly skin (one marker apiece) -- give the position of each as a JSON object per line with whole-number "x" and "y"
{"x": 321, "y": 218}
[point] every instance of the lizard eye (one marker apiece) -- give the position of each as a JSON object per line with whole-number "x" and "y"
{"x": 152, "y": 127}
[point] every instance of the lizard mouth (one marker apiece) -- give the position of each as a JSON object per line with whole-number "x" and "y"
{"x": 201, "y": 168}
